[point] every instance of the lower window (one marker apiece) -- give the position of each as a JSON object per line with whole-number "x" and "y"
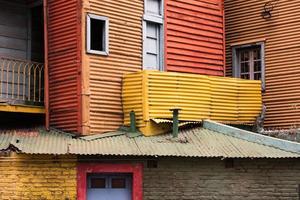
{"x": 109, "y": 186}
{"x": 109, "y": 181}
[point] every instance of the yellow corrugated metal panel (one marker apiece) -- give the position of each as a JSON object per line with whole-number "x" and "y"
{"x": 106, "y": 72}
{"x": 151, "y": 94}
{"x": 244, "y": 24}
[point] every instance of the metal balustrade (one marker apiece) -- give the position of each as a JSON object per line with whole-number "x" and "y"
{"x": 21, "y": 82}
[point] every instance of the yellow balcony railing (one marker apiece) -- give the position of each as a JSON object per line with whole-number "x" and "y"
{"x": 21, "y": 82}
{"x": 152, "y": 94}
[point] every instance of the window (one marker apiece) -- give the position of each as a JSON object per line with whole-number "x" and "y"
{"x": 248, "y": 62}
{"x": 153, "y": 35}
{"x": 109, "y": 181}
{"x": 97, "y": 34}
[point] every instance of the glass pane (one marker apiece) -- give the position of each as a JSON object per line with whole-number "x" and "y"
{"x": 153, "y": 7}
{"x": 245, "y": 76}
{"x": 245, "y": 67}
{"x": 98, "y": 183}
{"x": 245, "y": 56}
{"x": 152, "y": 30}
{"x": 257, "y": 66}
{"x": 257, "y": 76}
{"x": 256, "y": 54}
{"x": 118, "y": 183}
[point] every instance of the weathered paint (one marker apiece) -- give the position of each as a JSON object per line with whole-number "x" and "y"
{"x": 245, "y": 25}
{"x": 102, "y": 111}
{"x": 227, "y": 100}
{"x": 64, "y": 64}
{"x": 85, "y": 168}
{"x": 194, "y": 36}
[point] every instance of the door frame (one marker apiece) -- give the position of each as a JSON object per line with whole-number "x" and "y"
{"x": 84, "y": 169}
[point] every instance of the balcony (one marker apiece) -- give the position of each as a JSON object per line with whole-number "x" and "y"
{"x": 21, "y": 86}
{"x": 152, "y": 95}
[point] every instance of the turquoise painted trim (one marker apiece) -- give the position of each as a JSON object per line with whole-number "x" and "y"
{"x": 252, "y": 137}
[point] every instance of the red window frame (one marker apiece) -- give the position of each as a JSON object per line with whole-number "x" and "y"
{"x": 86, "y": 168}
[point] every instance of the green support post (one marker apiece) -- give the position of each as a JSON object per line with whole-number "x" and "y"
{"x": 175, "y": 122}
{"x": 132, "y": 122}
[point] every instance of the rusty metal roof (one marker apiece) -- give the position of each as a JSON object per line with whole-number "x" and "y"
{"x": 197, "y": 142}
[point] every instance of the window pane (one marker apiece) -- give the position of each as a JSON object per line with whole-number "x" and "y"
{"x": 152, "y": 47}
{"x": 97, "y": 34}
{"x": 153, "y": 7}
{"x": 257, "y": 76}
{"x": 118, "y": 183}
{"x": 245, "y": 76}
{"x": 245, "y": 67}
{"x": 257, "y": 66}
{"x": 98, "y": 183}
{"x": 256, "y": 54}
{"x": 152, "y": 30}
{"x": 245, "y": 56}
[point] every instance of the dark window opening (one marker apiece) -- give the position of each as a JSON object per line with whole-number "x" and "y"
{"x": 118, "y": 183}
{"x": 97, "y": 35}
{"x": 98, "y": 182}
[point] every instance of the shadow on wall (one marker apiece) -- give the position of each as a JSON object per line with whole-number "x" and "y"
{"x": 10, "y": 120}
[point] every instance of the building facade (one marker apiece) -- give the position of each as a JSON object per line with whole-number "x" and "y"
{"x": 262, "y": 43}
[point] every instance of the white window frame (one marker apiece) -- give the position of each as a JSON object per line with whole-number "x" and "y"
{"x": 106, "y": 34}
{"x": 156, "y": 19}
{"x": 236, "y": 67}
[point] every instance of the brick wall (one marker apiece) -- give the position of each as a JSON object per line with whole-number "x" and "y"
{"x": 208, "y": 179}
{"x": 37, "y": 178}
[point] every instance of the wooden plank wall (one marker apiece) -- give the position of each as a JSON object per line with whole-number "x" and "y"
{"x": 14, "y": 29}
{"x": 281, "y": 34}
{"x": 64, "y": 52}
{"x": 194, "y": 36}
{"x": 102, "y": 104}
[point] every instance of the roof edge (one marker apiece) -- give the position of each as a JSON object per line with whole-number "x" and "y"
{"x": 252, "y": 137}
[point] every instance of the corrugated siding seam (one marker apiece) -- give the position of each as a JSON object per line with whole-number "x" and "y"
{"x": 194, "y": 36}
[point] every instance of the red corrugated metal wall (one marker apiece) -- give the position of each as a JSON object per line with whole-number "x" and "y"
{"x": 194, "y": 36}
{"x": 64, "y": 50}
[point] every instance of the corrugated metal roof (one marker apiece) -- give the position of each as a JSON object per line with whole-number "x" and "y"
{"x": 197, "y": 142}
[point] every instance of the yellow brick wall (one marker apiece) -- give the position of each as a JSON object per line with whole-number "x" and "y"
{"x": 37, "y": 177}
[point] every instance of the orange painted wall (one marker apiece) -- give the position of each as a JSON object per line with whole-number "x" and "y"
{"x": 102, "y": 80}
{"x": 194, "y": 36}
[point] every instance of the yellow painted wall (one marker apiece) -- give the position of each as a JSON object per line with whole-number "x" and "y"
{"x": 102, "y": 75}
{"x": 26, "y": 177}
{"x": 151, "y": 94}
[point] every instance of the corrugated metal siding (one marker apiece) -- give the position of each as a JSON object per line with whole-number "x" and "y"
{"x": 194, "y": 36}
{"x": 244, "y": 23}
{"x": 199, "y": 142}
{"x": 228, "y": 100}
{"x": 125, "y": 55}
{"x": 64, "y": 63}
